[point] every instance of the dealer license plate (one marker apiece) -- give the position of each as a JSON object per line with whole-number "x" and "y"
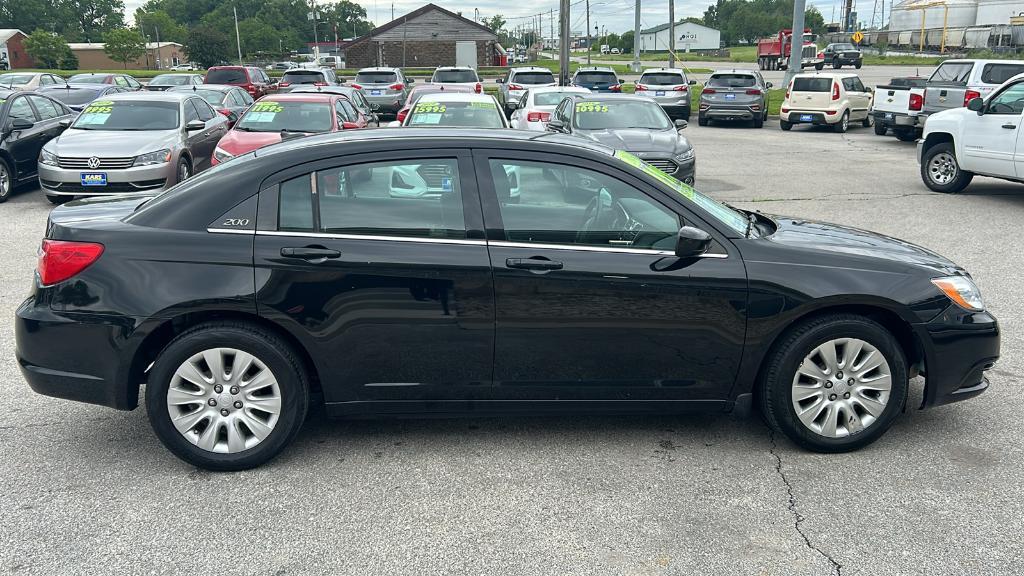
{"x": 94, "y": 178}
{"x": 659, "y": 93}
{"x": 806, "y": 118}
{"x": 375, "y": 92}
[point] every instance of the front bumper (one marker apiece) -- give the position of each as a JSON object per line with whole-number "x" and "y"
{"x": 57, "y": 181}
{"x": 959, "y": 346}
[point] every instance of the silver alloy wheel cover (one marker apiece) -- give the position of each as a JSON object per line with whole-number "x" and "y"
{"x": 845, "y": 120}
{"x": 239, "y": 416}
{"x": 5, "y": 180}
{"x": 182, "y": 172}
{"x": 942, "y": 168}
{"x": 841, "y": 387}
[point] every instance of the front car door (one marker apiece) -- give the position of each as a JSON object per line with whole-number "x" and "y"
{"x": 216, "y": 127}
{"x": 590, "y": 302}
{"x": 378, "y": 263}
{"x": 24, "y": 145}
{"x": 990, "y": 140}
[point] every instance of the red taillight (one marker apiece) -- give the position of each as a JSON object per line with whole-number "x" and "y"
{"x": 479, "y": 88}
{"x": 682, "y": 88}
{"x": 356, "y": 86}
{"x": 402, "y": 114}
{"x": 225, "y": 112}
{"x": 916, "y": 102}
{"x": 615, "y": 88}
{"x": 251, "y": 90}
{"x": 708, "y": 91}
{"x": 641, "y": 88}
{"x": 971, "y": 95}
{"x": 835, "y": 91}
{"x": 284, "y": 84}
{"x": 396, "y": 86}
{"x": 60, "y": 260}
{"x": 753, "y": 92}
{"x": 785, "y": 110}
{"x": 515, "y": 87}
{"x": 537, "y": 116}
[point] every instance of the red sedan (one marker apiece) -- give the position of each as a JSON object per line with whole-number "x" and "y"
{"x": 274, "y": 118}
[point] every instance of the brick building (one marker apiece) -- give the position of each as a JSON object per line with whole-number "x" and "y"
{"x": 427, "y": 37}
{"x": 12, "y": 50}
{"x": 92, "y": 57}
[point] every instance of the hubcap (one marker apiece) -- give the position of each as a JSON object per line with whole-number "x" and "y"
{"x": 942, "y": 168}
{"x": 183, "y": 172}
{"x": 841, "y": 387}
{"x": 5, "y": 180}
{"x": 224, "y": 400}
{"x": 845, "y": 121}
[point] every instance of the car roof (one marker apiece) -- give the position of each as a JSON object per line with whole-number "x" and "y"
{"x": 5, "y": 92}
{"x": 529, "y": 69}
{"x": 572, "y": 89}
{"x": 826, "y": 75}
{"x": 595, "y": 69}
{"x": 211, "y": 87}
{"x": 377, "y": 69}
{"x": 229, "y": 67}
{"x": 449, "y": 96}
{"x": 743, "y": 71}
{"x": 313, "y": 89}
{"x": 660, "y": 70}
{"x": 450, "y": 88}
{"x": 151, "y": 96}
{"x": 78, "y": 86}
{"x": 454, "y": 68}
{"x": 100, "y": 74}
{"x": 300, "y": 97}
{"x": 320, "y": 69}
{"x": 597, "y": 97}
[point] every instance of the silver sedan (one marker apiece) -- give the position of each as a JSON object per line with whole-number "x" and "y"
{"x": 131, "y": 143}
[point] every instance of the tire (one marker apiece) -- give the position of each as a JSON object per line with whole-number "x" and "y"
{"x": 946, "y": 176}
{"x": 858, "y": 65}
{"x": 798, "y": 365}
{"x": 184, "y": 170}
{"x": 836, "y": 65}
{"x": 759, "y": 121}
{"x": 868, "y": 121}
{"x": 843, "y": 124}
{"x": 272, "y": 356}
{"x": 818, "y": 66}
{"x": 58, "y": 200}
{"x": 701, "y": 121}
{"x": 786, "y": 126}
{"x": 906, "y": 135}
{"x": 880, "y": 129}
{"x": 686, "y": 113}
{"x": 6, "y": 181}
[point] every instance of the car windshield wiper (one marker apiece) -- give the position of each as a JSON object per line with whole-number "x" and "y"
{"x": 751, "y": 222}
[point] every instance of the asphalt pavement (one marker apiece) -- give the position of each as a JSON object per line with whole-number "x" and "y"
{"x": 88, "y": 490}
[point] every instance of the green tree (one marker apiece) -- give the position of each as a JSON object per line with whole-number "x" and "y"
{"x": 626, "y": 42}
{"x": 495, "y": 23}
{"x": 46, "y": 48}
{"x": 94, "y": 17}
{"x": 149, "y": 23}
{"x": 207, "y": 46}
{"x": 124, "y": 45}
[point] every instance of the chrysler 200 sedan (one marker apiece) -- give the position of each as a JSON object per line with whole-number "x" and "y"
{"x": 290, "y": 277}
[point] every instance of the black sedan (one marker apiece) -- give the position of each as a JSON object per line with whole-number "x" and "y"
{"x": 290, "y": 277}
{"x": 633, "y": 123}
{"x": 27, "y": 122}
{"x": 78, "y": 96}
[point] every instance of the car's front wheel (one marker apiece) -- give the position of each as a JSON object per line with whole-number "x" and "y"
{"x": 941, "y": 172}
{"x": 835, "y": 383}
{"x": 227, "y": 396}
{"x": 184, "y": 169}
{"x": 6, "y": 181}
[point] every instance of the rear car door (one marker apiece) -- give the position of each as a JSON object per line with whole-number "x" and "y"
{"x": 24, "y": 145}
{"x": 214, "y": 131}
{"x": 990, "y": 141}
{"x": 591, "y": 303}
{"x": 378, "y": 262}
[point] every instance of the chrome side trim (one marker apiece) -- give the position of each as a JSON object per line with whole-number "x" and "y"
{"x": 614, "y": 249}
{"x": 231, "y": 231}
{"x": 371, "y": 237}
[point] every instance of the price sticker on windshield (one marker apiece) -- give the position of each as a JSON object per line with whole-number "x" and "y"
{"x": 483, "y": 105}
{"x": 99, "y": 107}
{"x": 430, "y": 108}
{"x": 591, "y": 107}
{"x": 271, "y": 107}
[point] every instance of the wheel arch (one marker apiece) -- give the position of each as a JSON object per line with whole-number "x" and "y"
{"x": 934, "y": 139}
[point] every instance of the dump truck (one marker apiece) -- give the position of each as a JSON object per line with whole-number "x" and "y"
{"x": 774, "y": 52}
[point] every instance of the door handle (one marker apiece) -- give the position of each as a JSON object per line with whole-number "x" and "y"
{"x": 1009, "y": 126}
{"x": 536, "y": 263}
{"x": 310, "y": 253}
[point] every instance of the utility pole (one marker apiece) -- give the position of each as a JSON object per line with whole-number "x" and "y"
{"x": 588, "y": 33}
{"x": 796, "y": 44}
{"x": 635, "y": 66}
{"x": 551, "y": 24}
{"x": 238, "y": 38}
{"x": 157, "y": 28}
{"x": 671, "y": 33}
{"x": 563, "y": 42}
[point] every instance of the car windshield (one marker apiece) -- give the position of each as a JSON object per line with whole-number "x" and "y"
{"x": 73, "y": 96}
{"x": 550, "y": 98}
{"x": 303, "y": 77}
{"x": 812, "y": 84}
{"x": 454, "y": 76}
{"x": 376, "y": 78}
{"x": 227, "y": 76}
{"x": 463, "y": 114}
{"x": 170, "y": 80}
{"x": 9, "y": 80}
{"x": 288, "y": 116}
{"x": 843, "y": 47}
{"x": 88, "y": 79}
{"x": 596, "y": 78}
{"x": 133, "y": 115}
{"x": 662, "y": 79}
{"x": 533, "y": 78}
{"x": 612, "y": 114}
{"x": 732, "y": 81}
{"x": 725, "y": 214}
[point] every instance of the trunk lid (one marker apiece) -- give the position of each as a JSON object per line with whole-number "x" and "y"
{"x": 89, "y": 213}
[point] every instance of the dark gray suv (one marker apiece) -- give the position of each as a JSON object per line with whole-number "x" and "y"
{"x": 734, "y": 95}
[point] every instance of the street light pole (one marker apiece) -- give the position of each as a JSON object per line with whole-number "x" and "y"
{"x": 238, "y": 38}
{"x": 563, "y": 43}
{"x": 796, "y": 42}
{"x": 588, "y": 33}
{"x": 671, "y": 33}
{"x": 635, "y": 66}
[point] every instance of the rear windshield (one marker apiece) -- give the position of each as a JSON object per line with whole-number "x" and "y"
{"x": 999, "y": 73}
{"x": 534, "y": 78}
{"x": 171, "y": 80}
{"x": 662, "y": 79}
{"x": 72, "y": 97}
{"x": 227, "y": 76}
{"x": 270, "y": 116}
{"x": 955, "y": 72}
{"x": 376, "y": 78}
{"x": 732, "y": 81}
{"x": 461, "y": 114}
{"x": 550, "y": 98}
{"x": 596, "y": 78}
{"x": 88, "y": 79}
{"x": 9, "y": 80}
{"x": 455, "y": 76}
{"x": 128, "y": 115}
{"x": 812, "y": 85}
{"x": 303, "y": 77}
{"x": 213, "y": 97}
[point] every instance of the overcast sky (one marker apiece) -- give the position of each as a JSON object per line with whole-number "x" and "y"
{"x": 617, "y": 15}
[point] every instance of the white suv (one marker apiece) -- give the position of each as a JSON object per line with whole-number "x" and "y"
{"x": 834, "y": 100}
{"x": 461, "y": 75}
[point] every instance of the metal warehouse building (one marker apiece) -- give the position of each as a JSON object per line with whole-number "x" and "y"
{"x": 689, "y": 36}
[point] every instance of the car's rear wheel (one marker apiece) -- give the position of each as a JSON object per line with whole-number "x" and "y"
{"x": 843, "y": 124}
{"x": 941, "y": 172}
{"x": 836, "y": 64}
{"x": 818, "y": 66}
{"x": 868, "y": 121}
{"x": 758, "y": 121}
{"x": 858, "y": 65}
{"x": 701, "y": 121}
{"x": 6, "y": 181}
{"x": 227, "y": 396}
{"x": 880, "y": 129}
{"x": 835, "y": 383}
{"x": 785, "y": 125}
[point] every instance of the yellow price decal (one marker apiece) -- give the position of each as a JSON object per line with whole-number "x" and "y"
{"x": 591, "y": 107}
{"x": 100, "y": 107}
{"x": 484, "y": 105}
{"x": 273, "y": 107}
{"x": 430, "y": 108}
{"x": 683, "y": 189}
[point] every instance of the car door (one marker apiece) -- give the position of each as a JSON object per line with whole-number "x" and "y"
{"x": 50, "y": 114}
{"x": 24, "y": 145}
{"x": 590, "y": 301}
{"x": 388, "y": 284}
{"x": 216, "y": 127}
{"x": 990, "y": 141}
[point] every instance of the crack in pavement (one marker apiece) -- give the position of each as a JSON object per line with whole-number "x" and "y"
{"x": 798, "y": 518}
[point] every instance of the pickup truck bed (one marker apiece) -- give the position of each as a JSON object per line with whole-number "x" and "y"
{"x": 897, "y": 107}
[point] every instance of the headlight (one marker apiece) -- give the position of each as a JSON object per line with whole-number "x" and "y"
{"x": 961, "y": 291}
{"x": 222, "y": 155}
{"x": 686, "y": 156}
{"x": 158, "y": 157}
{"x": 48, "y": 158}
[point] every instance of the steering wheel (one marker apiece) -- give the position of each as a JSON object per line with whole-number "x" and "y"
{"x": 600, "y": 216}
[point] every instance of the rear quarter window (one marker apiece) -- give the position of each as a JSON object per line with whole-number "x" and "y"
{"x": 999, "y": 73}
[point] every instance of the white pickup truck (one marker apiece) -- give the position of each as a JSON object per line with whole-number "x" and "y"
{"x": 897, "y": 107}
{"x": 985, "y": 138}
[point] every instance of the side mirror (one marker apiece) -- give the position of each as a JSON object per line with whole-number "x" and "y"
{"x": 681, "y": 124}
{"x": 349, "y": 126}
{"x": 556, "y": 126}
{"x": 691, "y": 82}
{"x": 21, "y": 124}
{"x": 692, "y": 242}
{"x": 513, "y": 105}
{"x": 768, "y": 84}
{"x": 195, "y": 125}
{"x": 410, "y": 81}
{"x": 64, "y": 123}
{"x": 977, "y": 105}
{"x": 499, "y": 80}
{"x": 374, "y": 106}
{"x": 620, "y": 80}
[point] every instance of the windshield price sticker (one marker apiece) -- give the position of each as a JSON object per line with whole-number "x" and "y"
{"x": 591, "y": 107}
{"x": 99, "y": 107}
{"x": 272, "y": 107}
{"x": 430, "y": 108}
{"x": 484, "y": 105}
{"x": 425, "y": 119}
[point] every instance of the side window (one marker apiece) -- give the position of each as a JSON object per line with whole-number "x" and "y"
{"x": 46, "y": 109}
{"x": 204, "y": 109}
{"x": 191, "y": 113}
{"x": 342, "y": 113}
{"x": 1009, "y": 101}
{"x": 560, "y": 204}
{"x": 350, "y": 110}
{"x": 243, "y": 97}
{"x": 560, "y": 112}
{"x": 295, "y": 205}
{"x": 858, "y": 85}
{"x": 848, "y": 84}
{"x": 523, "y": 99}
{"x": 20, "y": 108}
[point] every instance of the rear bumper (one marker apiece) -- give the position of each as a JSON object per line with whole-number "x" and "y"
{"x": 719, "y": 112}
{"x": 959, "y": 347}
{"x": 896, "y": 120}
{"x": 817, "y": 118}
